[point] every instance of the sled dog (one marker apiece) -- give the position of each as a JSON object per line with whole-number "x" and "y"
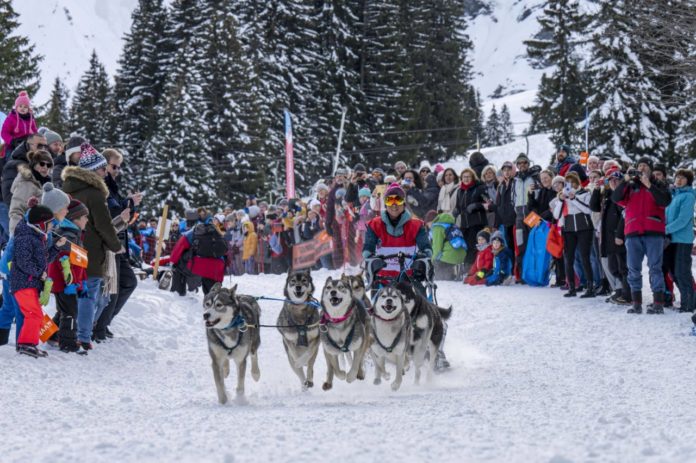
{"x": 357, "y": 282}
{"x": 344, "y": 330}
{"x": 298, "y": 323}
{"x": 231, "y": 323}
{"x": 391, "y": 335}
{"x": 428, "y": 329}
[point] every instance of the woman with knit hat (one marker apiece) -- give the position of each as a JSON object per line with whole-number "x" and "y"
{"x": 18, "y": 124}
{"x": 70, "y": 157}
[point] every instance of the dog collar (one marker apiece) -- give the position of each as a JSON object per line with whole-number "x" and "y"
{"x": 326, "y": 318}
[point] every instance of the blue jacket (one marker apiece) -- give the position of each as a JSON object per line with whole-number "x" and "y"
{"x": 680, "y": 215}
{"x": 32, "y": 254}
{"x": 502, "y": 267}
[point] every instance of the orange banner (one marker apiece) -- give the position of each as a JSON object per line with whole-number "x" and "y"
{"x": 78, "y": 256}
{"x": 532, "y": 219}
{"x": 48, "y": 328}
{"x": 306, "y": 254}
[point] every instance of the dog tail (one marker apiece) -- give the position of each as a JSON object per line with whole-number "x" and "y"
{"x": 445, "y": 313}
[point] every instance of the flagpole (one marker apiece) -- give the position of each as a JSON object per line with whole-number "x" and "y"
{"x": 340, "y": 140}
{"x": 289, "y": 158}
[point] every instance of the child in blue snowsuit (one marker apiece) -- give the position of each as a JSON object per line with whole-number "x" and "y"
{"x": 502, "y": 261}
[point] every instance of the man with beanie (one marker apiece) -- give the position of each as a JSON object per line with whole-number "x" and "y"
{"x": 71, "y": 157}
{"x": 86, "y": 184}
{"x": 564, "y": 160}
{"x": 68, "y": 278}
{"x": 644, "y": 200}
{"x": 54, "y": 142}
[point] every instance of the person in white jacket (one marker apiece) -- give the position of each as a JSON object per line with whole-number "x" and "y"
{"x": 573, "y": 214}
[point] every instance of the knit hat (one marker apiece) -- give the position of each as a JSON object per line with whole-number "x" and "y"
{"x": 230, "y": 217}
{"x": 76, "y": 209}
{"x": 314, "y": 202}
{"x": 485, "y": 234}
{"x": 340, "y": 193}
{"x": 400, "y": 163}
{"x": 322, "y": 186}
{"x": 91, "y": 159}
{"x": 23, "y": 98}
{"x": 220, "y": 217}
{"x": 613, "y": 172}
{"x": 53, "y": 198}
{"x": 660, "y": 168}
{"x": 359, "y": 168}
{"x": 364, "y": 192}
{"x": 497, "y": 236}
{"x": 438, "y": 168}
{"x": 379, "y": 170}
{"x": 557, "y": 179}
{"x": 73, "y": 145}
{"x": 430, "y": 216}
{"x": 254, "y": 211}
{"x": 521, "y": 158}
{"x": 35, "y": 157}
{"x": 395, "y": 190}
{"x": 341, "y": 171}
{"x": 51, "y": 136}
{"x": 191, "y": 214}
{"x": 390, "y": 179}
{"x": 592, "y": 159}
{"x": 39, "y": 215}
{"x": 507, "y": 164}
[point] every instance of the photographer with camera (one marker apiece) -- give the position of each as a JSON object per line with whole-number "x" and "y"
{"x": 573, "y": 214}
{"x": 644, "y": 200}
{"x": 421, "y": 194}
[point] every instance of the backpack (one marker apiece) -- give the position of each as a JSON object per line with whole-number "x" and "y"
{"x": 455, "y": 237}
{"x": 208, "y": 242}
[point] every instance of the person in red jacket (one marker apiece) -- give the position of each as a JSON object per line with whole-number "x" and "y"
{"x": 208, "y": 253}
{"x": 644, "y": 200}
{"x": 484, "y": 260}
{"x": 68, "y": 278}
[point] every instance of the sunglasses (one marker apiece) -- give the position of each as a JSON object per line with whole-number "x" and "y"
{"x": 425, "y": 171}
{"x": 115, "y": 167}
{"x": 394, "y": 200}
{"x": 42, "y": 146}
{"x": 45, "y": 164}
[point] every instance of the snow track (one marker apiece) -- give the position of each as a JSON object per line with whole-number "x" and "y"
{"x": 535, "y": 377}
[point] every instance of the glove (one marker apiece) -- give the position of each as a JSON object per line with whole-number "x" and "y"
{"x": 82, "y": 294}
{"x": 71, "y": 289}
{"x": 67, "y": 273}
{"x": 45, "y": 295}
{"x": 480, "y": 274}
{"x": 471, "y": 208}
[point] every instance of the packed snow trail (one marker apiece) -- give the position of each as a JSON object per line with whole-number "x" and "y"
{"x": 535, "y": 377}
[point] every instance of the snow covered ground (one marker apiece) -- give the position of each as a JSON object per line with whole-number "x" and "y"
{"x": 534, "y": 377}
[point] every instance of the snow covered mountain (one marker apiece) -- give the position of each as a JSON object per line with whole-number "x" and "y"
{"x": 66, "y": 31}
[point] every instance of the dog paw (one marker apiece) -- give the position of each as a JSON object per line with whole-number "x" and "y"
{"x": 396, "y": 385}
{"x": 377, "y": 381}
{"x": 326, "y": 386}
{"x": 256, "y": 375}
{"x": 308, "y": 384}
{"x": 340, "y": 374}
{"x": 241, "y": 400}
{"x": 386, "y": 375}
{"x": 361, "y": 375}
{"x": 222, "y": 400}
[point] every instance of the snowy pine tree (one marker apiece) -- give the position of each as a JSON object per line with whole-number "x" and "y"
{"x": 507, "y": 130}
{"x": 626, "y": 111}
{"x": 19, "y": 64}
{"x": 560, "y": 101}
{"x": 56, "y": 115}
{"x": 92, "y": 111}
{"x": 493, "y": 132}
{"x": 139, "y": 83}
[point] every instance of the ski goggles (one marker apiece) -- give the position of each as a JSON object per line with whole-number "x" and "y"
{"x": 393, "y": 200}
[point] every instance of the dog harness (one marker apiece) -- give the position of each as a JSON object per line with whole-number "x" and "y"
{"x": 237, "y": 322}
{"x": 327, "y": 319}
{"x": 302, "y": 329}
{"x": 396, "y": 339}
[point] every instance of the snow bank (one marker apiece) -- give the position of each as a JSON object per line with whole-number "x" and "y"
{"x": 535, "y": 377}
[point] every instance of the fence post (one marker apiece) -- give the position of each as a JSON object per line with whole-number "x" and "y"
{"x": 160, "y": 238}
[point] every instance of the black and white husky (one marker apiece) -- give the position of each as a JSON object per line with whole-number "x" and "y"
{"x": 357, "y": 282}
{"x": 344, "y": 330}
{"x": 231, "y": 323}
{"x": 298, "y": 323}
{"x": 428, "y": 328}
{"x": 391, "y": 335}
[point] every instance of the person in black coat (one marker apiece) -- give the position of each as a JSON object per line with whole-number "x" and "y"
{"x": 611, "y": 237}
{"x": 469, "y": 211}
{"x": 539, "y": 198}
{"x": 504, "y": 206}
{"x": 424, "y": 198}
{"x": 478, "y": 161}
{"x": 19, "y": 156}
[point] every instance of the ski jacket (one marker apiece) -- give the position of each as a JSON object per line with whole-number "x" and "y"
{"x": 443, "y": 251}
{"x": 469, "y": 211}
{"x": 26, "y": 185}
{"x": 483, "y": 263}
{"x": 30, "y": 259}
{"x": 16, "y": 127}
{"x": 70, "y": 231}
{"x": 573, "y": 215}
{"x": 680, "y": 215}
{"x": 644, "y": 208}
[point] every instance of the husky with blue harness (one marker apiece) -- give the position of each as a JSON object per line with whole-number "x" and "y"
{"x": 232, "y": 329}
{"x": 298, "y": 323}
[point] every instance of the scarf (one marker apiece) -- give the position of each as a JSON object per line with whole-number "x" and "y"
{"x": 111, "y": 275}
{"x": 466, "y": 186}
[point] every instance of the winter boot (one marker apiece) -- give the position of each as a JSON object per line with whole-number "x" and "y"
{"x": 108, "y": 332}
{"x": 84, "y": 347}
{"x": 589, "y": 293}
{"x": 31, "y": 350}
{"x": 68, "y": 334}
{"x": 4, "y": 336}
{"x": 604, "y": 289}
{"x": 657, "y": 305}
{"x": 571, "y": 293}
{"x": 637, "y": 298}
